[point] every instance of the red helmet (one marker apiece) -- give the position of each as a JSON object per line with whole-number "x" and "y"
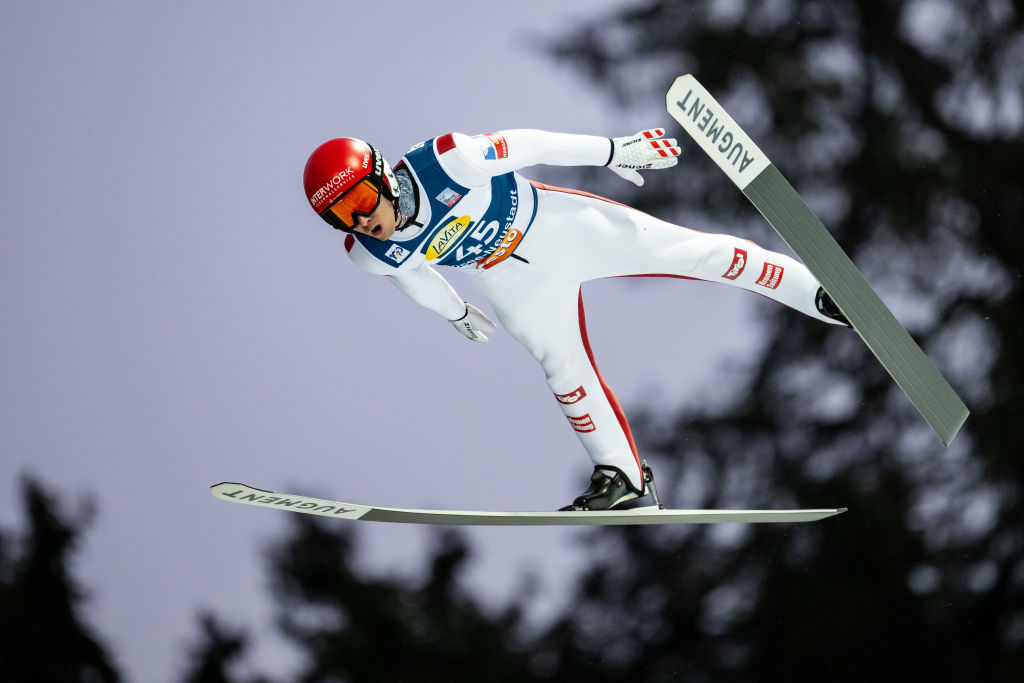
{"x": 344, "y": 179}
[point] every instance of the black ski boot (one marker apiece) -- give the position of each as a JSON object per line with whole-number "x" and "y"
{"x": 605, "y": 492}
{"x": 828, "y": 308}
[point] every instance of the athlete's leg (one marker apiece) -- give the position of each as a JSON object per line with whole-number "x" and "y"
{"x": 586, "y": 237}
{"x": 545, "y": 314}
{"x": 578, "y": 238}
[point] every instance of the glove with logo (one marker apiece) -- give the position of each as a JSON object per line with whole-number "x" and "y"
{"x": 473, "y": 324}
{"x": 646, "y": 149}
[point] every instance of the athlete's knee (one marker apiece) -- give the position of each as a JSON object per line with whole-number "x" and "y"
{"x": 563, "y": 373}
{"x": 724, "y": 257}
{"x": 716, "y": 251}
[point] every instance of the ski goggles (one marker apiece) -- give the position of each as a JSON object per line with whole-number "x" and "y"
{"x": 361, "y": 199}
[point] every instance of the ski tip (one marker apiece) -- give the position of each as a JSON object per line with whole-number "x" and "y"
{"x": 215, "y": 488}
{"x": 222, "y": 484}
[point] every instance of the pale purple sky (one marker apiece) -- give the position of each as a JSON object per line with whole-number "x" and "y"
{"x": 174, "y": 315}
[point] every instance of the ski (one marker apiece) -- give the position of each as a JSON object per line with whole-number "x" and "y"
{"x": 248, "y": 495}
{"x": 750, "y": 170}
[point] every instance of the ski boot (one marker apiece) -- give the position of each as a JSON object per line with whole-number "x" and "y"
{"x": 828, "y": 308}
{"x": 607, "y": 491}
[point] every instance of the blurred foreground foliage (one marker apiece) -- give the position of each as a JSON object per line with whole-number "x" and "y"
{"x": 44, "y": 637}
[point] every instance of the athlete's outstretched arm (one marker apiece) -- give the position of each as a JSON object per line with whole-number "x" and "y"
{"x": 474, "y": 160}
{"x": 422, "y": 284}
{"x": 429, "y": 289}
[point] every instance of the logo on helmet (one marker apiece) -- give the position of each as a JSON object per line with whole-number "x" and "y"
{"x": 328, "y": 192}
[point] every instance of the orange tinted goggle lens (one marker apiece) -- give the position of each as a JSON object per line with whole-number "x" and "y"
{"x": 361, "y": 200}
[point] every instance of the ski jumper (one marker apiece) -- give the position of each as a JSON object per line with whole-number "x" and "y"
{"x": 528, "y": 247}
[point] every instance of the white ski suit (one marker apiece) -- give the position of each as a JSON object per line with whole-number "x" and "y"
{"x": 528, "y": 247}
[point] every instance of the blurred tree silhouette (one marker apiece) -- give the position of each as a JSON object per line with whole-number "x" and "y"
{"x": 213, "y": 656}
{"x": 900, "y": 123}
{"x": 43, "y": 638}
{"x": 369, "y": 629}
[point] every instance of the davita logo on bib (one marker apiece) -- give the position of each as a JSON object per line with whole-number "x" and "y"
{"x": 446, "y": 237}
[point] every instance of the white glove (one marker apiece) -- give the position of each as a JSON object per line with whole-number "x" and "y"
{"x": 473, "y": 324}
{"x": 646, "y": 149}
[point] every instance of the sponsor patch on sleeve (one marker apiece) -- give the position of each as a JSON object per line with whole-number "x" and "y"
{"x": 492, "y": 145}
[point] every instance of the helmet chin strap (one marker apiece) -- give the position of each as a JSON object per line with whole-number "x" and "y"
{"x": 399, "y": 224}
